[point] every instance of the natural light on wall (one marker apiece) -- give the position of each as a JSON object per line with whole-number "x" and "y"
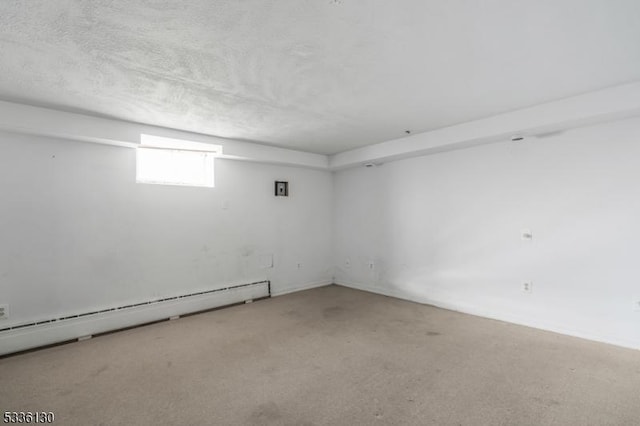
{"x": 175, "y": 162}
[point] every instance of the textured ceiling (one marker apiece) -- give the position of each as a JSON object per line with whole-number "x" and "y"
{"x": 316, "y": 75}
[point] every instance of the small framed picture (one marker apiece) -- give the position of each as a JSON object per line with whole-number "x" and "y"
{"x": 282, "y": 189}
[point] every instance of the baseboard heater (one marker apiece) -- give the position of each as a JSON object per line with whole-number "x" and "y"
{"x": 31, "y": 335}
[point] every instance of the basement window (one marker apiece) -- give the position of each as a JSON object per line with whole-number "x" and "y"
{"x": 174, "y": 167}
{"x": 168, "y": 161}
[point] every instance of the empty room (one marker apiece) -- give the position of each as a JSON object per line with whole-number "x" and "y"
{"x": 320, "y": 212}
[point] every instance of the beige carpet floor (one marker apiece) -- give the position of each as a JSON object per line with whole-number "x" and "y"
{"x": 328, "y": 356}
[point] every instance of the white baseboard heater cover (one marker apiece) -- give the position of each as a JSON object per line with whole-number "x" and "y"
{"x": 42, "y": 333}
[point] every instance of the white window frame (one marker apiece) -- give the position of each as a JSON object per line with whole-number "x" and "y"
{"x": 208, "y": 168}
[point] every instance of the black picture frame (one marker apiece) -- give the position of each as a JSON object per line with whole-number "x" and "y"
{"x": 281, "y": 188}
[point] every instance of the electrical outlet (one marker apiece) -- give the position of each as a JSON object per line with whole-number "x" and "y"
{"x": 527, "y": 286}
{"x": 4, "y": 312}
{"x": 636, "y": 303}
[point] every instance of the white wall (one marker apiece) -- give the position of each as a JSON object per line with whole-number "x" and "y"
{"x": 445, "y": 229}
{"x": 77, "y": 233}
